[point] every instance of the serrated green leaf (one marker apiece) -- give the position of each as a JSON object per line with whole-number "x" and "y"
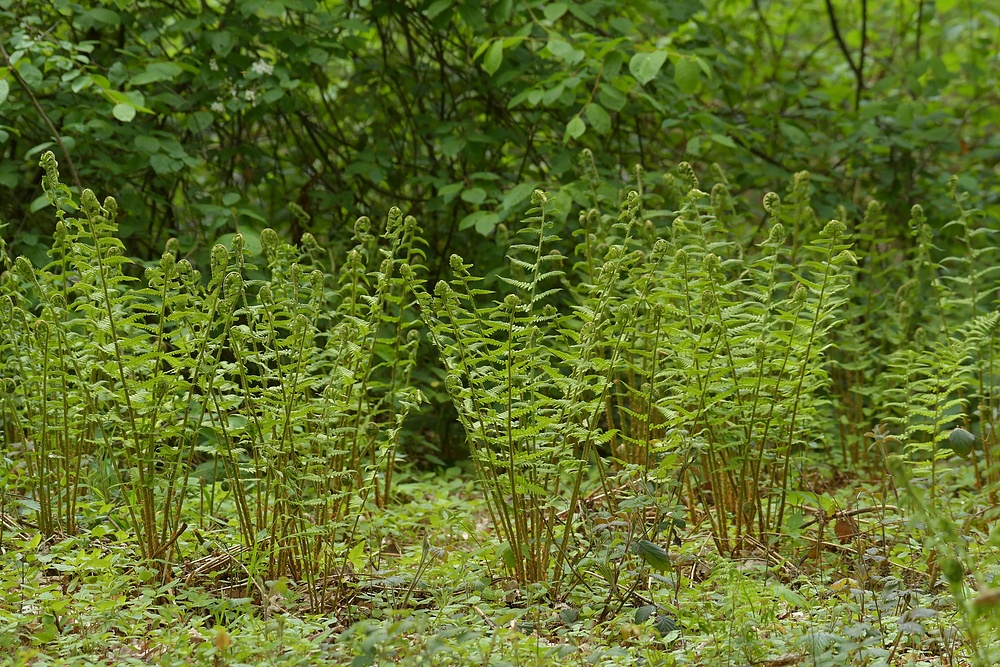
{"x": 569, "y": 616}
{"x": 687, "y": 75}
{"x": 665, "y": 624}
{"x": 643, "y": 614}
{"x": 645, "y": 66}
{"x": 493, "y": 57}
{"x": 654, "y": 555}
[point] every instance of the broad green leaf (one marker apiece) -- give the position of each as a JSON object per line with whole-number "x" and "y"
{"x": 555, "y": 10}
{"x": 104, "y": 15}
{"x": 788, "y": 595}
{"x": 793, "y": 133}
{"x": 644, "y": 613}
{"x": 157, "y": 72}
{"x": 961, "y": 441}
{"x": 4, "y": 90}
{"x": 357, "y": 556}
{"x": 576, "y": 127}
{"x": 38, "y": 203}
{"x": 272, "y": 95}
{"x": 665, "y": 624}
{"x": 481, "y": 220}
{"x": 472, "y": 15}
{"x": 252, "y": 213}
{"x": 452, "y": 145}
{"x": 722, "y": 140}
{"x": 124, "y": 112}
{"x": 436, "y": 8}
{"x": 486, "y": 224}
{"x": 568, "y": 616}
{"x": 31, "y": 74}
{"x": 493, "y": 57}
{"x": 599, "y": 119}
{"x": 654, "y": 555}
{"x": 552, "y": 94}
{"x": 687, "y": 75}
{"x": 199, "y": 121}
{"x": 162, "y": 164}
{"x": 646, "y": 65}
{"x": 230, "y": 198}
{"x": 517, "y": 194}
{"x": 147, "y": 144}
{"x": 137, "y": 99}
{"x": 222, "y": 43}
{"x": 621, "y": 25}
{"x": 520, "y": 97}
{"x": 448, "y": 192}
{"x": 81, "y": 83}
{"x": 611, "y": 97}
{"x": 474, "y": 195}
{"x": 904, "y": 114}
{"x": 563, "y": 50}
{"x": 35, "y": 150}
{"x": 580, "y": 11}
{"x": 117, "y": 97}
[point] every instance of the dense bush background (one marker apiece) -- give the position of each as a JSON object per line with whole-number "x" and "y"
{"x": 204, "y": 118}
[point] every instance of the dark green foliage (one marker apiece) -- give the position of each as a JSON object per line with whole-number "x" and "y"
{"x": 209, "y": 119}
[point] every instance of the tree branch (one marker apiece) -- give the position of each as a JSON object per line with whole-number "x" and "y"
{"x": 38, "y": 107}
{"x": 840, "y": 38}
{"x": 860, "y": 72}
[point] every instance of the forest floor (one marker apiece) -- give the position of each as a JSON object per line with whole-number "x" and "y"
{"x": 852, "y": 582}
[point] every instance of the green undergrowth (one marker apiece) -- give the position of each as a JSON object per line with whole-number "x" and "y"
{"x": 696, "y": 437}
{"x": 81, "y": 600}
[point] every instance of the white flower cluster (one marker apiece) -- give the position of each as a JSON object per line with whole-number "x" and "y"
{"x": 262, "y": 67}
{"x": 249, "y": 95}
{"x": 212, "y": 65}
{"x": 218, "y": 107}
